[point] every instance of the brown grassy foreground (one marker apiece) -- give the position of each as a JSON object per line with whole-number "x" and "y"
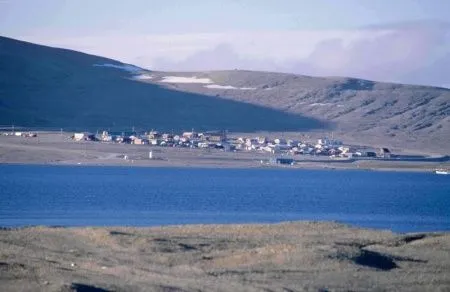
{"x": 301, "y": 256}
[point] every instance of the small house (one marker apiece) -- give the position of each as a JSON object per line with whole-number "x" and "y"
{"x": 262, "y": 140}
{"x": 385, "y": 153}
{"x": 190, "y": 135}
{"x": 78, "y": 136}
{"x": 153, "y": 135}
{"x": 167, "y": 137}
{"x": 279, "y": 141}
{"x": 217, "y": 137}
{"x": 84, "y": 136}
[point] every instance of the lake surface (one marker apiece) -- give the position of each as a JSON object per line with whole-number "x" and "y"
{"x": 105, "y": 196}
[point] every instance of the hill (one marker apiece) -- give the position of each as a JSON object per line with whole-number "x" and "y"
{"x": 402, "y": 115}
{"x": 55, "y": 88}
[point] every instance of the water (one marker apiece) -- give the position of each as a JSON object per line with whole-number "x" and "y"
{"x": 105, "y": 196}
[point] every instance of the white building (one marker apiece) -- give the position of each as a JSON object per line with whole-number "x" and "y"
{"x": 78, "y": 136}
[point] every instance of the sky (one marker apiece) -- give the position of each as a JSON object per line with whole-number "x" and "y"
{"x": 405, "y": 41}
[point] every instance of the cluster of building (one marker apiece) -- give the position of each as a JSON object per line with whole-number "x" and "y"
{"x": 219, "y": 140}
{"x": 20, "y": 134}
{"x": 155, "y": 138}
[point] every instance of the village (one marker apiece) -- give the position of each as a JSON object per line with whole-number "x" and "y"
{"x": 207, "y": 149}
{"x": 285, "y": 149}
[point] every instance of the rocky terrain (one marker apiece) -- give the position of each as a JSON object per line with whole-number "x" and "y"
{"x": 303, "y": 256}
{"x": 364, "y": 110}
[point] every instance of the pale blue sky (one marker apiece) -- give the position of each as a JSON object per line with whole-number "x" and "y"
{"x": 316, "y": 37}
{"x": 20, "y": 17}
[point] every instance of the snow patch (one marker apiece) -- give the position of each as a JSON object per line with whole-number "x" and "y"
{"x": 178, "y": 79}
{"x": 217, "y": 86}
{"x": 209, "y": 83}
{"x": 320, "y": 104}
{"x": 143, "y": 77}
{"x": 126, "y": 67}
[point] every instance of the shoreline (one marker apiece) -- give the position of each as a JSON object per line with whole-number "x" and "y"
{"x": 311, "y": 166}
{"x": 223, "y": 225}
{"x": 215, "y": 224}
{"x": 218, "y": 166}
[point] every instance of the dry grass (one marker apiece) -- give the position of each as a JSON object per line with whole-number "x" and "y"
{"x": 296, "y": 256}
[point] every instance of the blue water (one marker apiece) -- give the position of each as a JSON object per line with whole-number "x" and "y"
{"x": 105, "y": 196}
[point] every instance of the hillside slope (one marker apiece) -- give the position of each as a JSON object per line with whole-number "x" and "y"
{"x": 379, "y": 113}
{"x": 55, "y": 88}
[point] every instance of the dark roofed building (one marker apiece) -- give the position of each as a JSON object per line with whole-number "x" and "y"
{"x": 385, "y": 153}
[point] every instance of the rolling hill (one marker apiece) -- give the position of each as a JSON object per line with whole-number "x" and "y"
{"x": 53, "y": 88}
{"x": 400, "y": 115}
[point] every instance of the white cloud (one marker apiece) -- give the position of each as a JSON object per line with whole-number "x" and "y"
{"x": 400, "y": 53}
{"x": 403, "y": 55}
{"x": 277, "y": 46}
{"x": 410, "y": 54}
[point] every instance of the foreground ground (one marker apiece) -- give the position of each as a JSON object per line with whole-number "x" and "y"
{"x": 302, "y": 256}
{"x": 59, "y": 149}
